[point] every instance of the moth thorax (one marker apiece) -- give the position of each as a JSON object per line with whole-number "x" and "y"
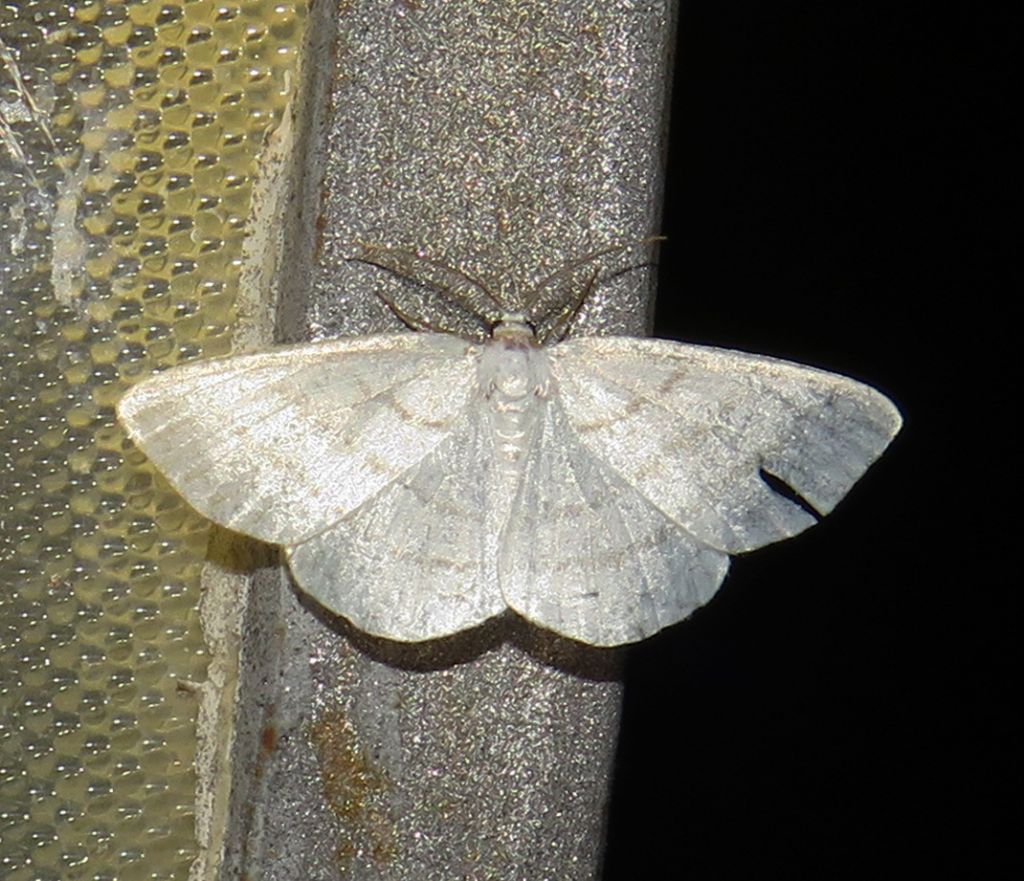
{"x": 514, "y": 377}
{"x": 513, "y": 368}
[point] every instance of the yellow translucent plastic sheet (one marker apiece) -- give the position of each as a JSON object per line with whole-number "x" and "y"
{"x": 129, "y": 140}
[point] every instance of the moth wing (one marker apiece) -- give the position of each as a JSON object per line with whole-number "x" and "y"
{"x": 588, "y": 556}
{"x": 416, "y": 560}
{"x": 691, "y": 428}
{"x": 280, "y": 444}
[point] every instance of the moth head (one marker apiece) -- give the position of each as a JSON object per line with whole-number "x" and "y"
{"x": 514, "y": 329}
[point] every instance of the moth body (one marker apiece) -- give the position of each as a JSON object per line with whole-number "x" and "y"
{"x": 514, "y": 376}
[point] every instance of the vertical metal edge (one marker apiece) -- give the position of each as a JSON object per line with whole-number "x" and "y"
{"x": 301, "y": 237}
{"x": 242, "y": 581}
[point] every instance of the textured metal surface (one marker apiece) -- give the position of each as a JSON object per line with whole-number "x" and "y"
{"x": 129, "y": 134}
{"x": 505, "y": 138}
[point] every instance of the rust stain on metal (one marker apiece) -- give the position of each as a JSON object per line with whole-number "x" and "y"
{"x": 268, "y": 739}
{"x": 352, "y": 784}
{"x": 321, "y": 225}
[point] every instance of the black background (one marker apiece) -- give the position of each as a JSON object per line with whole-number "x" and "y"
{"x": 843, "y": 707}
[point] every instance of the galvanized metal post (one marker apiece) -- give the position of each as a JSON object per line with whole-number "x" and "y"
{"x": 504, "y": 138}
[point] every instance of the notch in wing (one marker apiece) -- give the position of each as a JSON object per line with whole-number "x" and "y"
{"x": 692, "y": 427}
{"x": 280, "y": 444}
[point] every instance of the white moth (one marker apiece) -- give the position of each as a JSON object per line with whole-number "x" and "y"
{"x": 423, "y": 483}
